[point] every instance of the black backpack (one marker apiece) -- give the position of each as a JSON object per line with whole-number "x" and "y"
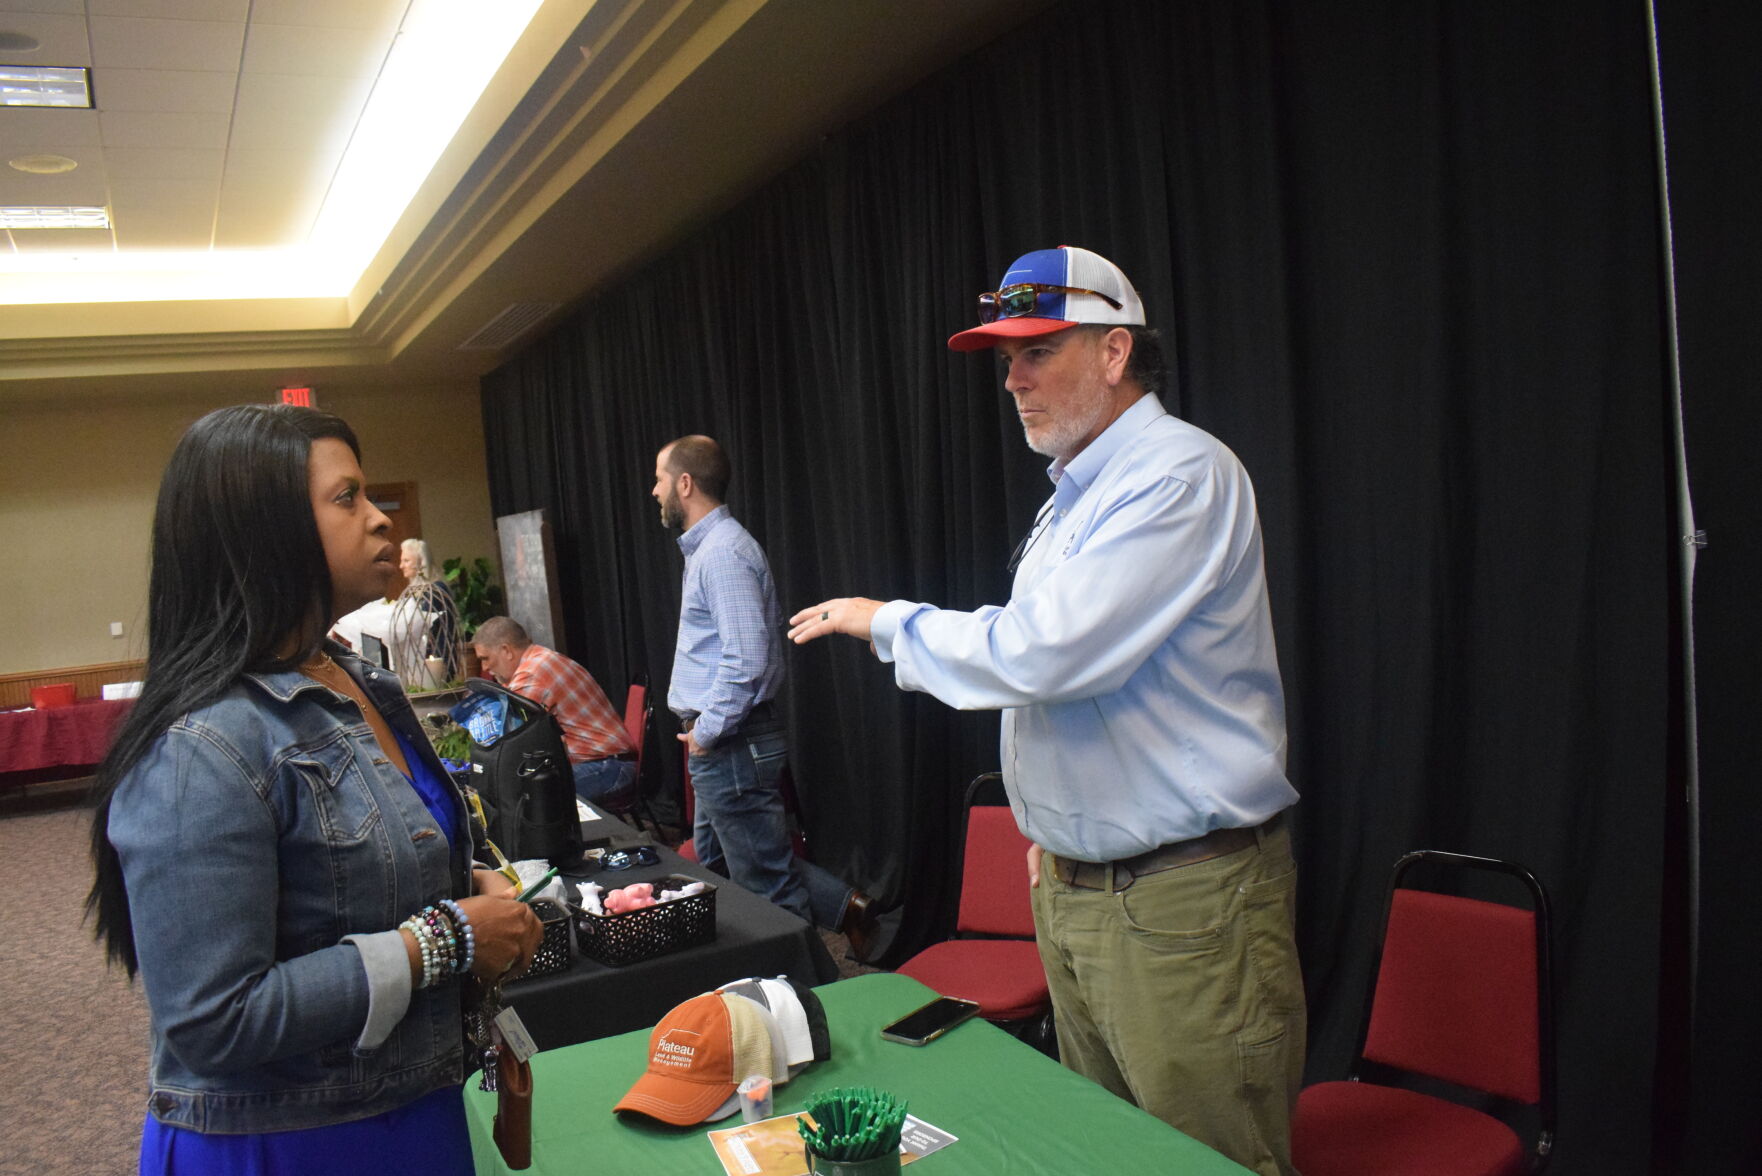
{"x": 522, "y": 777}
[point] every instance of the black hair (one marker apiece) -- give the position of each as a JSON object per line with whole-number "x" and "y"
{"x": 704, "y": 460}
{"x": 238, "y": 569}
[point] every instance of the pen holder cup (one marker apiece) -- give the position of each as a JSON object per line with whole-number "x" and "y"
{"x": 881, "y": 1165}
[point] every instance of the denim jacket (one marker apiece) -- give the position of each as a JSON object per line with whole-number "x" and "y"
{"x": 270, "y": 851}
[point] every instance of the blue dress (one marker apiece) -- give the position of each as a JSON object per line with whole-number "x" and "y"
{"x": 429, "y": 1134}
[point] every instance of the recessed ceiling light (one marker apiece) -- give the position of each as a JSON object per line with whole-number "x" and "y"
{"x": 45, "y": 85}
{"x": 65, "y": 216}
{"x": 43, "y": 165}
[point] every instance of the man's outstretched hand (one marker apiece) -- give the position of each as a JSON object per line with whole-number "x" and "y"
{"x": 848, "y": 614}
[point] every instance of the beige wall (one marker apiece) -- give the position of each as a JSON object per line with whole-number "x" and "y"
{"x": 77, "y": 484}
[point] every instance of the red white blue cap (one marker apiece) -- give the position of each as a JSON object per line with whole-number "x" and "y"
{"x": 1054, "y": 311}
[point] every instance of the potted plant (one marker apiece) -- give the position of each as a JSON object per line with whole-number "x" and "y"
{"x": 479, "y": 598}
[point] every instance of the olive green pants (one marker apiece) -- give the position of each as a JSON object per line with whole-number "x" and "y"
{"x": 1181, "y": 993}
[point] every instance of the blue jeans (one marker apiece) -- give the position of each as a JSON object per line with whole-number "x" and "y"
{"x": 740, "y": 828}
{"x": 598, "y": 779}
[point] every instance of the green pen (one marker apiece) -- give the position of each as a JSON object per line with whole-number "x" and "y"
{"x": 527, "y": 894}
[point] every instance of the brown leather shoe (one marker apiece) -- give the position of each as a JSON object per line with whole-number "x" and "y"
{"x": 858, "y": 924}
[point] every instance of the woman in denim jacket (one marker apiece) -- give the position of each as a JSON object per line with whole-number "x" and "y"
{"x": 278, "y": 850}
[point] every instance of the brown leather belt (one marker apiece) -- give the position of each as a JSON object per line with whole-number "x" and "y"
{"x": 1118, "y": 875}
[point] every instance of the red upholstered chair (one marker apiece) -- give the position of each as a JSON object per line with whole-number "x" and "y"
{"x": 992, "y": 959}
{"x": 1463, "y": 995}
{"x": 638, "y": 714}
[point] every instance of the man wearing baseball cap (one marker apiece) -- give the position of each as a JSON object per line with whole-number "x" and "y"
{"x": 1143, "y": 741}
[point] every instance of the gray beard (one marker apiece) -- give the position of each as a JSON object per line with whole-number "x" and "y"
{"x": 1061, "y": 441}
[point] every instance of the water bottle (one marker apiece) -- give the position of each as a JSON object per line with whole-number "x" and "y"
{"x": 549, "y": 827}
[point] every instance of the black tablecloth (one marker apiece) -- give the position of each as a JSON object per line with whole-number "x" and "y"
{"x": 592, "y": 1000}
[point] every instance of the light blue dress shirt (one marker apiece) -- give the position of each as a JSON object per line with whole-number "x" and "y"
{"x": 730, "y": 652}
{"x": 1134, "y": 663}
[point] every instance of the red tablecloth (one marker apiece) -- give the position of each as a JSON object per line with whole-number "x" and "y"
{"x": 61, "y": 737}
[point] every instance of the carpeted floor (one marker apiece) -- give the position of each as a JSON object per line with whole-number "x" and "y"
{"x": 73, "y": 1033}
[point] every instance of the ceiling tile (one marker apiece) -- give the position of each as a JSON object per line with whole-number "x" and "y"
{"x": 281, "y": 110}
{"x": 236, "y": 10}
{"x": 82, "y": 186}
{"x": 62, "y": 240}
{"x": 160, "y": 229}
{"x": 130, "y": 128}
{"x": 164, "y": 163}
{"x": 28, "y": 130}
{"x": 258, "y": 213}
{"x": 69, "y": 7}
{"x": 180, "y": 90}
{"x": 287, "y": 49}
{"x": 282, "y": 163}
{"x": 132, "y": 196}
{"x": 128, "y": 42}
{"x": 61, "y": 31}
{"x": 184, "y": 208}
{"x": 376, "y": 15}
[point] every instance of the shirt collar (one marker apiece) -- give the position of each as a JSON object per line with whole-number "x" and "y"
{"x": 1083, "y": 468}
{"x": 284, "y": 684}
{"x": 695, "y": 536}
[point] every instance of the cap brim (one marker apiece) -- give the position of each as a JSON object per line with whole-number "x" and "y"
{"x": 987, "y": 334}
{"x": 674, "y": 1100}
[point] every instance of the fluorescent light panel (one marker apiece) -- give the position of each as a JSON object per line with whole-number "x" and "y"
{"x": 46, "y": 85}
{"x": 66, "y": 216}
{"x": 445, "y": 55}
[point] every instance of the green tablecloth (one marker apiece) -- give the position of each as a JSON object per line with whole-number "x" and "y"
{"x": 1013, "y": 1109}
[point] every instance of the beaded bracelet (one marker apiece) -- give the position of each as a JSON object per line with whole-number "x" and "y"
{"x": 425, "y": 947}
{"x": 440, "y": 921}
{"x": 438, "y": 930}
{"x": 462, "y": 964}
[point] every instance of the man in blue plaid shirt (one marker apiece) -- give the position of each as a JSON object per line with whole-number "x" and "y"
{"x": 727, "y": 672}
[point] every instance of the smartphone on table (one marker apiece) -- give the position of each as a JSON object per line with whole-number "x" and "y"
{"x": 924, "y": 1025}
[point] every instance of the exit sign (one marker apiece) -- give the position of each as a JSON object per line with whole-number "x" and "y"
{"x": 299, "y": 396}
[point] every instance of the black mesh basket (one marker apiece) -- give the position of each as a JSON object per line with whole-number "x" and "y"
{"x": 553, "y": 949}
{"x": 649, "y": 932}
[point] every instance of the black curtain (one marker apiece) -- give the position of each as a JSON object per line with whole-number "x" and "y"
{"x": 1713, "y": 119}
{"x": 1407, "y": 256}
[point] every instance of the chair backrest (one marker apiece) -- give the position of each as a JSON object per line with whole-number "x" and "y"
{"x": 994, "y": 869}
{"x": 994, "y": 876}
{"x": 1463, "y": 988}
{"x": 636, "y": 715}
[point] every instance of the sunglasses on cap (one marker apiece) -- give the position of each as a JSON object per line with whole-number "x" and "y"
{"x": 1018, "y": 300}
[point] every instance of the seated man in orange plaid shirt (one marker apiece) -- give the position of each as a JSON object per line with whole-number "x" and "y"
{"x": 600, "y": 752}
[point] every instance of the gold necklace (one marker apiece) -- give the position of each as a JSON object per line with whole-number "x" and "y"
{"x": 324, "y": 669}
